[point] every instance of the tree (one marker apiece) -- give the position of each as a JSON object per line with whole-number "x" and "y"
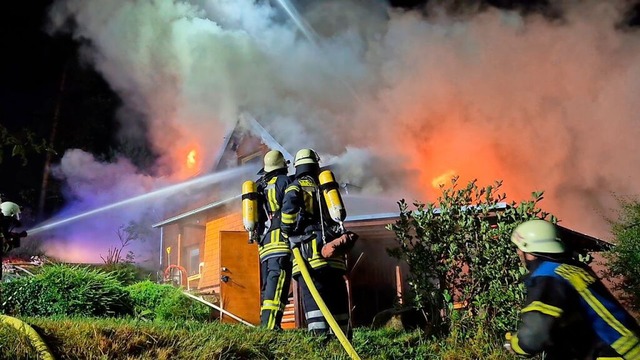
{"x": 465, "y": 273}
{"x": 124, "y": 266}
{"x": 21, "y": 145}
{"x": 624, "y": 257}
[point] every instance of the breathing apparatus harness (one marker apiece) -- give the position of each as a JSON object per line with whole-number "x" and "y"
{"x": 344, "y": 341}
{"x": 274, "y": 215}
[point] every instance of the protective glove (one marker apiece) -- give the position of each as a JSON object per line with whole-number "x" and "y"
{"x": 340, "y": 245}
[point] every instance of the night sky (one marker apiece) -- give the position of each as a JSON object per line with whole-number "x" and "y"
{"x": 44, "y": 81}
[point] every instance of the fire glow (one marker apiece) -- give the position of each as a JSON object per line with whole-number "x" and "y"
{"x": 187, "y": 161}
{"x": 443, "y": 179}
{"x": 191, "y": 159}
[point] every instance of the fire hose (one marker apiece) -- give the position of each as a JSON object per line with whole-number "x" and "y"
{"x": 40, "y": 346}
{"x": 323, "y": 307}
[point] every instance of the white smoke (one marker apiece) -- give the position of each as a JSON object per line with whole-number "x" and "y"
{"x": 397, "y": 96}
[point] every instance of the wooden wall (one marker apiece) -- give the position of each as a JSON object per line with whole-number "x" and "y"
{"x": 373, "y": 278}
{"x": 226, "y": 220}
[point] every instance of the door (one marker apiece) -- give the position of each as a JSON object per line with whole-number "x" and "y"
{"x": 239, "y": 277}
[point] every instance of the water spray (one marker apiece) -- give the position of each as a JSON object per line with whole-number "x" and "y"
{"x": 312, "y": 37}
{"x": 199, "y": 181}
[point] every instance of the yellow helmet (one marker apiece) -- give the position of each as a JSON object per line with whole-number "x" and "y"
{"x": 537, "y": 236}
{"x": 10, "y": 209}
{"x": 274, "y": 160}
{"x": 306, "y": 156}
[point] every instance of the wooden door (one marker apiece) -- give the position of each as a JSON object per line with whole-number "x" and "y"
{"x": 239, "y": 277}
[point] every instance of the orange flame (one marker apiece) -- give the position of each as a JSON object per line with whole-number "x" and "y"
{"x": 443, "y": 179}
{"x": 191, "y": 159}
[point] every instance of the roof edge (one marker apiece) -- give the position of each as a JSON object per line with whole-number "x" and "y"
{"x": 179, "y": 217}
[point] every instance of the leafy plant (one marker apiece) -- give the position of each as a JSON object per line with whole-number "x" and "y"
{"x": 624, "y": 257}
{"x": 164, "y": 302}
{"x": 177, "y": 307}
{"x": 114, "y": 254}
{"x": 464, "y": 269}
{"x": 146, "y": 296}
{"x": 21, "y": 144}
{"x": 126, "y": 273}
{"x": 65, "y": 290}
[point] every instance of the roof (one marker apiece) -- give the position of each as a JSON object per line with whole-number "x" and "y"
{"x": 184, "y": 215}
{"x": 363, "y": 208}
{"x": 582, "y": 241}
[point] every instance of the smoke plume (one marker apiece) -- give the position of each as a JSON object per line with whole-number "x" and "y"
{"x": 396, "y": 98}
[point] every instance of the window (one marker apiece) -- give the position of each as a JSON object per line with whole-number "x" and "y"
{"x": 193, "y": 260}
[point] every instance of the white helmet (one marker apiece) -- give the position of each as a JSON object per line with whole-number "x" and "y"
{"x": 537, "y": 236}
{"x": 306, "y": 156}
{"x": 10, "y": 209}
{"x": 274, "y": 160}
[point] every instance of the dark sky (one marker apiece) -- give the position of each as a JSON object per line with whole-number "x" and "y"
{"x": 44, "y": 80}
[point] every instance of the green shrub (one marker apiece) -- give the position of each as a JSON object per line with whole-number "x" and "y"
{"x": 459, "y": 252}
{"x": 178, "y": 307}
{"x": 146, "y": 296}
{"x": 165, "y": 302}
{"x": 126, "y": 273}
{"x": 66, "y": 290}
{"x": 624, "y": 258}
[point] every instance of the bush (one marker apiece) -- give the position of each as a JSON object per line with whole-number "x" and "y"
{"x": 459, "y": 253}
{"x": 65, "y": 290}
{"x": 126, "y": 273}
{"x": 178, "y": 307}
{"x": 624, "y": 258}
{"x": 165, "y": 302}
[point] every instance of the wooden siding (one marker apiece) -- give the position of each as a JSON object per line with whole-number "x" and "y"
{"x": 240, "y": 267}
{"x": 227, "y": 221}
{"x": 373, "y": 277}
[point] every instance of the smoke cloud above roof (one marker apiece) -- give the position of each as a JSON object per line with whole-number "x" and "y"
{"x": 394, "y": 97}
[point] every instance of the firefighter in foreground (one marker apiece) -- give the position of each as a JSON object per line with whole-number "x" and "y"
{"x": 568, "y": 312}
{"x": 9, "y": 220}
{"x": 308, "y": 224}
{"x": 274, "y": 251}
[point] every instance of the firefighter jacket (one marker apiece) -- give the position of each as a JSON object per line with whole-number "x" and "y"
{"x": 304, "y": 215}
{"x": 570, "y": 314}
{"x": 271, "y": 188}
{"x": 8, "y": 239}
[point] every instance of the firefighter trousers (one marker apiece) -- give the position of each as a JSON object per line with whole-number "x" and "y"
{"x": 331, "y": 285}
{"x": 274, "y": 290}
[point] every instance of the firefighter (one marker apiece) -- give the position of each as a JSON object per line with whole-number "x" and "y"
{"x": 307, "y": 225}
{"x": 568, "y": 312}
{"x": 274, "y": 251}
{"x": 9, "y": 219}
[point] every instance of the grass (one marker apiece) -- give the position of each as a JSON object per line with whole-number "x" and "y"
{"x": 86, "y": 338}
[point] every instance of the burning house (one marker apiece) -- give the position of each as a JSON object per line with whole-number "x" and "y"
{"x": 205, "y": 248}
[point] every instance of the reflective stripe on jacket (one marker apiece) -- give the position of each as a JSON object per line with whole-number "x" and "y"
{"x": 272, "y": 188}
{"x": 301, "y": 215}
{"x": 570, "y": 314}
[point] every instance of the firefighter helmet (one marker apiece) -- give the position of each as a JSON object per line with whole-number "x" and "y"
{"x": 537, "y": 236}
{"x": 10, "y": 209}
{"x": 274, "y": 160}
{"x": 306, "y": 156}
